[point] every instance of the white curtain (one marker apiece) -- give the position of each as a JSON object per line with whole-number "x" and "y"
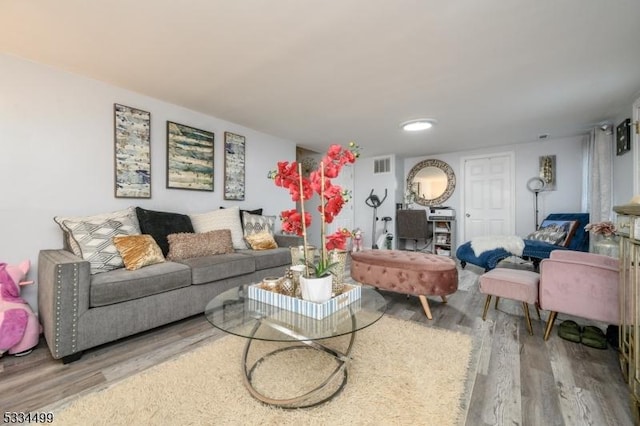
{"x": 597, "y": 194}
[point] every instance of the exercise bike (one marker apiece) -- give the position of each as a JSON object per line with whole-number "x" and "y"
{"x": 374, "y": 201}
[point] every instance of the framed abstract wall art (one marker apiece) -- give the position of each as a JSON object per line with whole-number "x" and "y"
{"x": 189, "y": 158}
{"x": 234, "y": 157}
{"x": 548, "y": 172}
{"x": 132, "y": 129}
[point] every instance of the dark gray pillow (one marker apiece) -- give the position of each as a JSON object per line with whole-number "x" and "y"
{"x": 160, "y": 224}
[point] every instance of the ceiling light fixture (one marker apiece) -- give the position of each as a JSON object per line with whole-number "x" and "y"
{"x": 418, "y": 124}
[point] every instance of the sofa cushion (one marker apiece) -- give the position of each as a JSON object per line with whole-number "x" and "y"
{"x": 68, "y": 229}
{"x": 221, "y": 219}
{"x": 122, "y": 285}
{"x": 160, "y": 224}
{"x": 95, "y": 240}
{"x": 219, "y": 267}
{"x": 265, "y": 259}
{"x": 138, "y": 251}
{"x": 185, "y": 246}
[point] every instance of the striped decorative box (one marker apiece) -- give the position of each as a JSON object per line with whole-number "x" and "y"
{"x": 304, "y": 307}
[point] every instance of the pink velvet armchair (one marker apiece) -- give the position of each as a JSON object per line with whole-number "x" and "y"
{"x": 580, "y": 284}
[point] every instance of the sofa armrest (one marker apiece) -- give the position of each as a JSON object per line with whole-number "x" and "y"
{"x": 287, "y": 240}
{"x": 63, "y": 296}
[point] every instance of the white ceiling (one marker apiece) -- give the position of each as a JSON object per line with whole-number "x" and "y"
{"x": 492, "y": 72}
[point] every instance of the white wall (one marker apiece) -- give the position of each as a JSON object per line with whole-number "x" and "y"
{"x": 56, "y": 134}
{"x": 364, "y": 182}
{"x": 565, "y": 199}
{"x": 623, "y": 167}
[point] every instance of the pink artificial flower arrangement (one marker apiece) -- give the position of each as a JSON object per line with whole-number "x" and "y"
{"x": 289, "y": 176}
{"x": 607, "y": 228}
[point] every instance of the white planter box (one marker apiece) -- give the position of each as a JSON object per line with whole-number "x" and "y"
{"x": 351, "y": 294}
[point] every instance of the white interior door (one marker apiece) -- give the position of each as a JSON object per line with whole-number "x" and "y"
{"x": 488, "y": 201}
{"x": 345, "y": 218}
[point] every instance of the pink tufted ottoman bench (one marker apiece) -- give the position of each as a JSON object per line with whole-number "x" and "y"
{"x": 407, "y": 272}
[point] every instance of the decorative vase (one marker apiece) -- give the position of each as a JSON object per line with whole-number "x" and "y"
{"x": 297, "y": 254}
{"x": 296, "y": 272}
{"x": 316, "y": 290}
{"x": 271, "y": 283}
{"x": 607, "y": 246}
{"x": 337, "y": 272}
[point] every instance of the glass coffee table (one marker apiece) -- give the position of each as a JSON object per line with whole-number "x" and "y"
{"x": 235, "y": 313}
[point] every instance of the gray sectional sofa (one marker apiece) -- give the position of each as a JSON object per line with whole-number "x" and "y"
{"x": 79, "y": 311}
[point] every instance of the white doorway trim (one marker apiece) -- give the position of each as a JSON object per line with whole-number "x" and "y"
{"x": 512, "y": 187}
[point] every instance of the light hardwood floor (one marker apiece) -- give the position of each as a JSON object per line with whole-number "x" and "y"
{"x": 515, "y": 379}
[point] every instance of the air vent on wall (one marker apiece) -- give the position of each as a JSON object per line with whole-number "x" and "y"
{"x": 382, "y": 165}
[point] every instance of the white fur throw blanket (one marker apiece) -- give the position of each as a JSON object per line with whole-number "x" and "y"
{"x": 511, "y": 243}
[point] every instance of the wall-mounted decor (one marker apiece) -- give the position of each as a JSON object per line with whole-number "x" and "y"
{"x": 132, "y": 129}
{"x": 548, "y": 172}
{"x": 189, "y": 158}
{"x": 234, "y": 151}
{"x": 623, "y": 137}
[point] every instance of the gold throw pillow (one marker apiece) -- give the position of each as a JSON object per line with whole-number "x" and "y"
{"x": 138, "y": 251}
{"x": 261, "y": 241}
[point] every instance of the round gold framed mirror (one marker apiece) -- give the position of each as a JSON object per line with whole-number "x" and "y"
{"x": 431, "y": 182}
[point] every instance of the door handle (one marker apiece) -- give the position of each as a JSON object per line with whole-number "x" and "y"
{"x": 467, "y": 215}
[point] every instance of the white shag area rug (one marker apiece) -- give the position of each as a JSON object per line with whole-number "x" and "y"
{"x": 511, "y": 243}
{"x": 402, "y": 373}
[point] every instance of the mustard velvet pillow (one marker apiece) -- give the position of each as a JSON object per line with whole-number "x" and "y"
{"x": 261, "y": 241}
{"x": 187, "y": 245}
{"x": 138, "y": 251}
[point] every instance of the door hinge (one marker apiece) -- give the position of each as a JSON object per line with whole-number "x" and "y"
{"x": 637, "y": 127}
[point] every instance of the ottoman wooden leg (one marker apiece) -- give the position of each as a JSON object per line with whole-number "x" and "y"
{"x": 444, "y": 299}
{"x": 496, "y": 304}
{"x": 487, "y": 302}
{"x": 538, "y": 311}
{"x": 550, "y": 321}
{"x": 526, "y": 315}
{"x": 425, "y": 306}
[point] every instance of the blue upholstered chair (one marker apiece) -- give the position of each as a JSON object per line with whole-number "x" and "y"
{"x": 533, "y": 250}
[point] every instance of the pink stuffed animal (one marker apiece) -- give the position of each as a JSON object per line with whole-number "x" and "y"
{"x": 357, "y": 239}
{"x": 19, "y": 327}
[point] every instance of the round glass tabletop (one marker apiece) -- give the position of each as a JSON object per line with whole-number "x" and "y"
{"x": 235, "y": 313}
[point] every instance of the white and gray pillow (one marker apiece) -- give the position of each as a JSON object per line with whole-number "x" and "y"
{"x": 95, "y": 241}
{"x": 256, "y": 224}
{"x": 73, "y": 221}
{"x": 227, "y": 218}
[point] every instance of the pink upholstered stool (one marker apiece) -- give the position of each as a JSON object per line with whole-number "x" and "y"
{"x": 407, "y": 272}
{"x": 512, "y": 284}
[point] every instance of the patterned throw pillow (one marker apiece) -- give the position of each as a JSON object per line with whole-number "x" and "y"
{"x": 261, "y": 241}
{"x": 547, "y": 235}
{"x": 221, "y": 219}
{"x": 129, "y": 213}
{"x": 254, "y": 224}
{"x": 557, "y": 232}
{"x": 187, "y": 246}
{"x": 138, "y": 250}
{"x": 95, "y": 241}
